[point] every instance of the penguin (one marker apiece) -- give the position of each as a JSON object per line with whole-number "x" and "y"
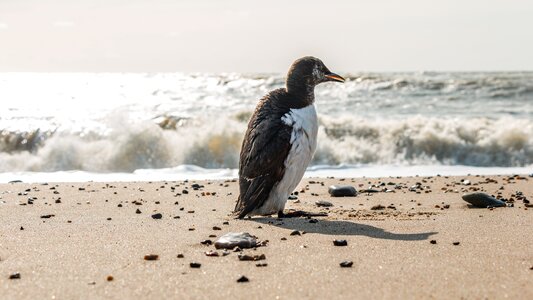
{"x": 280, "y": 140}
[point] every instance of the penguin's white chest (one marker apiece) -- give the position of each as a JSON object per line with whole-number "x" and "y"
{"x": 304, "y": 123}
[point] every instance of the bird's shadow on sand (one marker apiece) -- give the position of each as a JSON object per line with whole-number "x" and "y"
{"x": 342, "y": 228}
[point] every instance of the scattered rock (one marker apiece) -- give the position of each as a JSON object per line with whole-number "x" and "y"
{"x": 243, "y": 279}
{"x": 231, "y": 240}
{"x": 14, "y": 276}
{"x": 216, "y": 228}
{"x": 110, "y": 278}
{"x": 482, "y": 200}
{"x": 456, "y": 243}
{"x": 195, "y": 265}
{"x": 180, "y": 255}
{"x": 322, "y": 203}
{"x": 346, "y": 264}
{"x": 377, "y": 207}
{"x": 369, "y": 191}
{"x": 151, "y": 257}
{"x": 265, "y": 264}
{"x": 138, "y": 211}
{"x": 206, "y": 242}
{"x": 340, "y": 243}
{"x": 47, "y": 216}
{"x": 245, "y": 257}
{"x": 296, "y": 232}
{"x": 157, "y": 216}
{"x": 212, "y": 253}
{"x": 342, "y": 191}
{"x": 433, "y": 242}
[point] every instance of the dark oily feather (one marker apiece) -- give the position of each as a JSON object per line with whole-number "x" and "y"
{"x": 264, "y": 150}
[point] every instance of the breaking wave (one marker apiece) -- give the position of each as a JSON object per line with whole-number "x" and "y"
{"x": 215, "y": 143}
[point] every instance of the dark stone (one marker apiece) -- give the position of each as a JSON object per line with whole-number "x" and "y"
{"x": 151, "y": 257}
{"x": 157, "y": 216}
{"x": 346, "y": 264}
{"x": 47, "y": 216}
{"x": 340, "y": 243}
{"x": 482, "y": 200}
{"x": 265, "y": 264}
{"x": 14, "y": 276}
{"x": 456, "y": 243}
{"x": 377, "y": 207}
{"x": 433, "y": 242}
{"x": 195, "y": 265}
{"x": 342, "y": 191}
{"x": 181, "y": 255}
{"x": 138, "y": 211}
{"x": 206, "y": 242}
{"x": 196, "y": 186}
{"x": 243, "y": 279}
{"x": 296, "y": 232}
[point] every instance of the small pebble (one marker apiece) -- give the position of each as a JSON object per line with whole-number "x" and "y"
{"x": 340, "y": 243}
{"x": 346, "y": 264}
{"x": 212, "y": 253}
{"x": 14, "y": 276}
{"x": 138, "y": 211}
{"x": 244, "y": 257}
{"x": 433, "y": 242}
{"x": 151, "y": 257}
{"x": 181, "y": 255}
{"x": 322, "y": 203}
{"x": 456, "y": 243}
{"x": 195, "y": 265}
{"x": 157, "y": 216}
{"x": 243, "y": 279}
{"x": 342, "y": 191}
{"x": 295, "y": 232}
{"x": 109, "y": 278}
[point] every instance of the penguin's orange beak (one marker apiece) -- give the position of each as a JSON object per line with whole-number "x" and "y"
{"x": 334, "y": 77}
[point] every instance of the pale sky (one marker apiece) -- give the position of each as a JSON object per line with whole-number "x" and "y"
{"x": 264, "y": 36}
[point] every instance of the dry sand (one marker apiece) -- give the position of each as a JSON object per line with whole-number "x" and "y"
{"x": 71, "y": 254}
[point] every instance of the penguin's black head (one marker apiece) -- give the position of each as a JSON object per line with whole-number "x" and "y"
{"x": 310, "y": 71}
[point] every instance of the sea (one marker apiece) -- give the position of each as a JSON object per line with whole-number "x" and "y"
{"x": 175, "y": 126}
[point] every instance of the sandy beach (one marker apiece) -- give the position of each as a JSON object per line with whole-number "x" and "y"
{"x": 406, "y": 240}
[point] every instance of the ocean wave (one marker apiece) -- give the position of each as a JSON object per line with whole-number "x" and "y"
{"x": 215, "y": 143}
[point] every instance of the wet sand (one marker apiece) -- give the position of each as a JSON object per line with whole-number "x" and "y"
{"x": 87, "y": 241}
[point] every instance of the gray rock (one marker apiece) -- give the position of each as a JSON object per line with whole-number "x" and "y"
{"x": 482, "y": 200}
{"x": 322, "y": 203}
{"x": 236, "y": 239}
{"x": 342, "y": 191}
